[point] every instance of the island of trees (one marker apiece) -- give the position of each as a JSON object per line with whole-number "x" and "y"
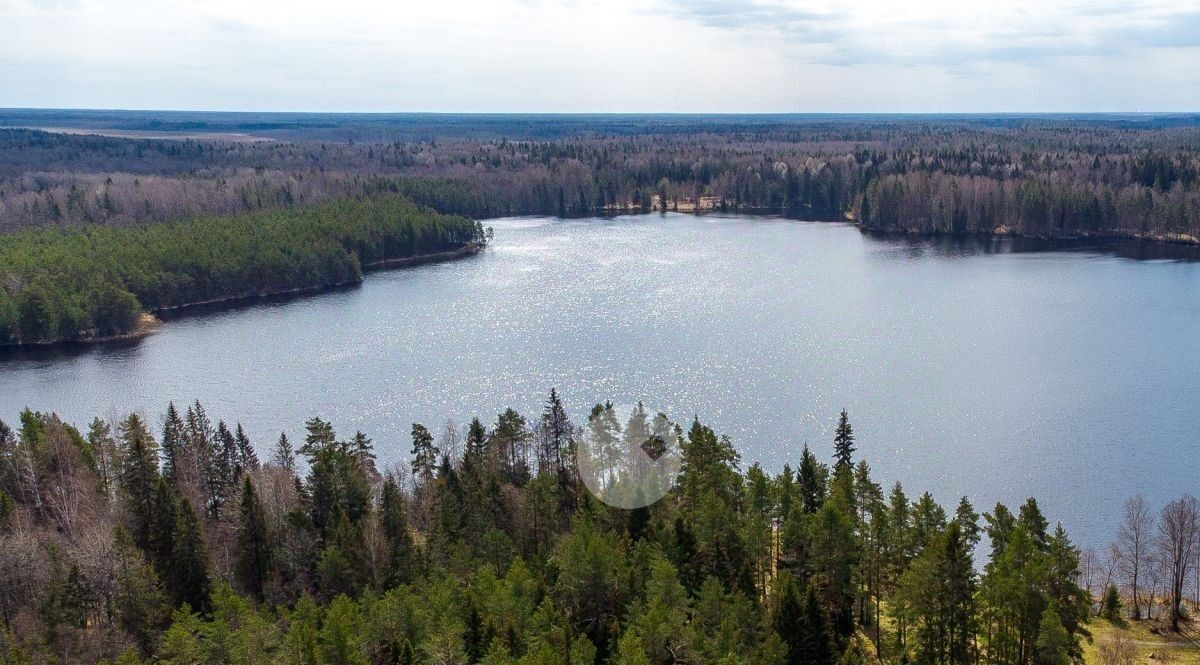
{"x": 85, "y": 282}
{"x": 180, "y": 541}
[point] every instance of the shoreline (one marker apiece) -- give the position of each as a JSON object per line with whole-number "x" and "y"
{"x": 152, "y": 320}
{"x": 374, "y": 266}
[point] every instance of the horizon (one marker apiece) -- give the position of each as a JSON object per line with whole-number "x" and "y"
{"x": 586, "y": 113}
{"x": 587, "y": 56}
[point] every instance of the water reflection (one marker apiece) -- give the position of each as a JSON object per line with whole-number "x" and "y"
{"x": 997, "y": 377}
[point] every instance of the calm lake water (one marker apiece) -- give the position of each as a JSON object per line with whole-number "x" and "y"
{"x": 1071, "y": 376}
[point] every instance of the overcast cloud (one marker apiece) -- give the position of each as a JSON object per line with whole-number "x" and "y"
{"x": 602, "y": 55}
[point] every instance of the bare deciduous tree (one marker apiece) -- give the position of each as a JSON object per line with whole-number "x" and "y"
{"x": 1178, "y": 530}
{"x": 1089, "y": 564}
{"x": 1133, "y": 542}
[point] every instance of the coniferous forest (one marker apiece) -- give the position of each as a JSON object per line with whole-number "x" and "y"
{"x": 86, "y": 282}
{"x": 178, "y": 540}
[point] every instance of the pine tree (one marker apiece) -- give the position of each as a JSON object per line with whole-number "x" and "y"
{"x": 336, "y": 479}
{"x": 319, "y": 437}
{"x": 256, "y": 555}
{"x": 510, "y": 442}
{"x": 833, "y": 555}
{"x": 1030, "y": 515}
{"x": 1072, "y": 603}
{"x": 843, "y": 442}
{"x": 363, "y": 450}
{"x": 968, "y": 522}
{"x": 958, "y": 580}
{"x": 424, "y": 454}
{"x": 1000, "y": 524}
{"x": 106, "y": 453}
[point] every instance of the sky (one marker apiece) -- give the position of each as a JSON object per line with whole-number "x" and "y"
{"x": 603, "y": 55}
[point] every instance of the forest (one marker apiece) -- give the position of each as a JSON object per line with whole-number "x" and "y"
{"x": 95, "y": 281}
{"x": 1035, "y": 176}
{"x": 182, "y": 541}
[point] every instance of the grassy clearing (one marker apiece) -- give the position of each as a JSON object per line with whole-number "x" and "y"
{"x": 1147, "y": 644}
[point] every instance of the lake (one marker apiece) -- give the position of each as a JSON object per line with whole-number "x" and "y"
{"x": 968, "y": 367}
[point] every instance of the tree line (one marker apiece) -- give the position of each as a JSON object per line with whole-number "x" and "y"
{"x": 1033, "y": 177}
{"x": 187, "y": 543}
{"x": 95, "y": 281}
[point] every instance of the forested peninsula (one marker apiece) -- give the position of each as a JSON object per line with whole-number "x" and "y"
{"x": 90, "y": 282}
{"x": 130, "y": 543}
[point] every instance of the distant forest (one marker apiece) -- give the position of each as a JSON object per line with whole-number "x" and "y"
{"x": 1051, "y": 176}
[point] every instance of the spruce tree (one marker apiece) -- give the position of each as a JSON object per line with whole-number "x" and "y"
{"x": 556, "y": 433}
{"x": 139, "y": 476}
{"x": 139, "y": 604}
{"x": 173, "y": 444}
{"x": 843, "y": 442}
{"x": 477, "y": 440}
{"x": 340, "y": 569}
{"x": 255, "y": 548}
{"x": 160, "y": 547}
{"x": 392, "y": 517}
{"x": 810, "y": 479}
{"x": 247, "y": 458}
{"x": 788, "y": 620}
{"x": 814, "y": 637}
{"x": 222, "y": 469}
{"x": 284, "y": 456}
{"x": 1110, "y": 605}
{"x": 189, "y": 581}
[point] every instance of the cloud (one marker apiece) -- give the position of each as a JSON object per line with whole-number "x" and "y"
{"x": 602, "y": 55}
{"x": 954, "y": 36}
